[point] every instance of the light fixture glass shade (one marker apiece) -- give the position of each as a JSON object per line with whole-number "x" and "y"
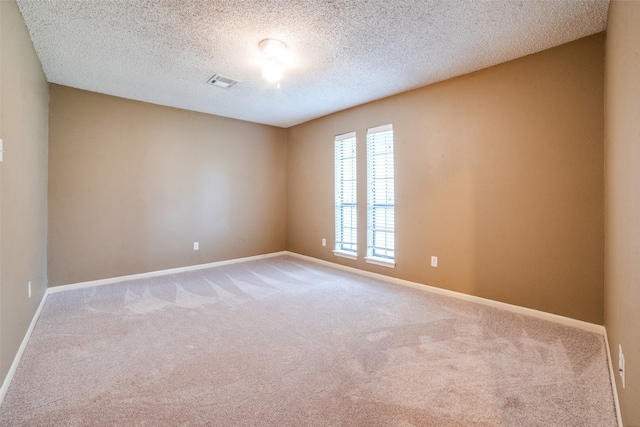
{"x": 273, "y": 59}
{"x": 272, "y": 71}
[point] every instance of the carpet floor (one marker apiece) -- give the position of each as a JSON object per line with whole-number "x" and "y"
{"x": 289, "y": 342}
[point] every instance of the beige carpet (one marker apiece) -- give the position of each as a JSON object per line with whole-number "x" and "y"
{"x": 286, "y": 342}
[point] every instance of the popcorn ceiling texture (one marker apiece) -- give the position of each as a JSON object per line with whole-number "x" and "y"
{"x": 342, "y": 53}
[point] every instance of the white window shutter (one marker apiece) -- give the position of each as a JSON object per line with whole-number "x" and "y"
{"x": 380, "y": 194}
{"x": 346, "y": 209}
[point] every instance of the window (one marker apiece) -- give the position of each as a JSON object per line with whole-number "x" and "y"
{"x": 380, "y": 197}
{"x": 346, "y": 196}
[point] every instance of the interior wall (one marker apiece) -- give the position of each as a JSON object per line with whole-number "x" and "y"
{"x": 133, "y": 185}
{"x": 24, "y": 98}
{"x": 622, "y": 200}
{"x": 499, "y": 173}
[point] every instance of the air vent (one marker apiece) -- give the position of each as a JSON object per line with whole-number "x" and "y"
{"x": 222, "y": 81}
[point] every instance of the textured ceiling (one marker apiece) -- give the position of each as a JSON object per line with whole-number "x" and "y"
{"x": 342, "y": 52}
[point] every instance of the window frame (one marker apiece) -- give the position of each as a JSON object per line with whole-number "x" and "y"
{"x": 339, "y": 193}
{"x": 380, "y": 167}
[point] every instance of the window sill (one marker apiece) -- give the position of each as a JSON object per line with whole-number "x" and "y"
{"x": 343, "y": 254}
{"x": 382, "y": 262}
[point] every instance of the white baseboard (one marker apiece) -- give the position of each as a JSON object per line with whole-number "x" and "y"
{"x": 591, "y": 327}
{"x": 23, "y": 345}
{"x": 91, "y": 283}
{"x": 612, "y": 372}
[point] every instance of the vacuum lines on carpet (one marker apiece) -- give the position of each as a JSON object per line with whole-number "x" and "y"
{"x": 287, "y": 342}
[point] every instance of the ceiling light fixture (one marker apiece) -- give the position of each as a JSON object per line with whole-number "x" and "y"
{"x": 273, "y": 59}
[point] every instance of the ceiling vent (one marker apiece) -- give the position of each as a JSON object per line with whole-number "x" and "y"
{"x": 222, "y": 81}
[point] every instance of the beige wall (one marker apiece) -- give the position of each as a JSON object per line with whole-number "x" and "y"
{"x": 498, "y": 173}
{"x": 622, "y": 205}
{"x": 133, "y": 185}
{"x": 23, "y": 182}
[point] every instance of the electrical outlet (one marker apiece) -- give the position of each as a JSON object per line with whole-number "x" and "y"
{"x": 621, "y": 364}
{"x": 196, "y": 246}
{"x": 29, "y": 285}
{"x": 434, "y": 261}
{"x": 324, "y": 242}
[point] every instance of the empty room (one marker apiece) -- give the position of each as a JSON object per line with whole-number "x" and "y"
{"x": 331, "y": 213}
